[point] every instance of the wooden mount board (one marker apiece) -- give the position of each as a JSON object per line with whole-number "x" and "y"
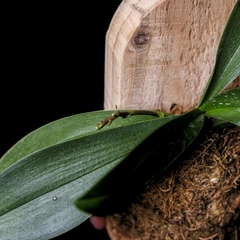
{"x": 160, "y": 52}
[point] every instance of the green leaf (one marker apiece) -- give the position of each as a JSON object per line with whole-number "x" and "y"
{"x": 231, "y": 115}
{"x": 227, "y": 66}
{"x": 225, "y": 107}
{"x": 38, "y": 188}
{"x": 60, "y": 131}
{"x": 228, "y": 99}
{"x": 142, "y": 166}
{"x": 220, "y": 123}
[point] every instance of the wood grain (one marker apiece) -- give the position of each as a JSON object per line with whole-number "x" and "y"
{"x": 160, "y": 52}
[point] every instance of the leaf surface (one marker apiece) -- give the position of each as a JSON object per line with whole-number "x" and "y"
{"x": 225, "y": 107}
{"x": 37, "y": 191}
{"x": 228, "y": 99}
{"x": 60, "y": 131}
{"x": 231, "y": 115}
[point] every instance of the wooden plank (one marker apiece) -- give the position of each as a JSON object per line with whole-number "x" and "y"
{"x": 160, "y": 52}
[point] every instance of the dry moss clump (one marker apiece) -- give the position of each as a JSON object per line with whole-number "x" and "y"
{"x": 198, "y": 200}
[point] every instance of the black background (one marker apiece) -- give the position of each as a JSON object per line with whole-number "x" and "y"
{"x": 52, "y": 67}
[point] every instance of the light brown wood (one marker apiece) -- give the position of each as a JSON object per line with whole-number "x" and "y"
{"x": 160, "y": 52}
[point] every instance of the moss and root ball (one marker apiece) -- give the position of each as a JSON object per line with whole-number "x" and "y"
{"x": 198, "y": 200}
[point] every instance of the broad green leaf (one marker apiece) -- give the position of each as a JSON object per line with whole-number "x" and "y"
{"x": 227, "y": 66}
{"x": 225, "y": 107}
{"x": 231, "y": 115}
{"x": 142, "y": 166}
{"x": 220, "y": 123}
{"x": 60, "y": 131}
{"x": 38, "y": 190}
{"x": 228, "y": 99}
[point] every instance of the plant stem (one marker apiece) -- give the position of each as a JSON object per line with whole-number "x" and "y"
{"x": 128, "y": 113}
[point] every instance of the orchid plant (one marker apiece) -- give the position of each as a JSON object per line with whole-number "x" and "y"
{"x": 58, "y": 175}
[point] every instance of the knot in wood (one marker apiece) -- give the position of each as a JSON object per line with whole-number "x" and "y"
{"x": 140, "y": 39}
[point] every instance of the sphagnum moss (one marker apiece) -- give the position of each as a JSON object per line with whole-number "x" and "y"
{"x": 198, "y": 200}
